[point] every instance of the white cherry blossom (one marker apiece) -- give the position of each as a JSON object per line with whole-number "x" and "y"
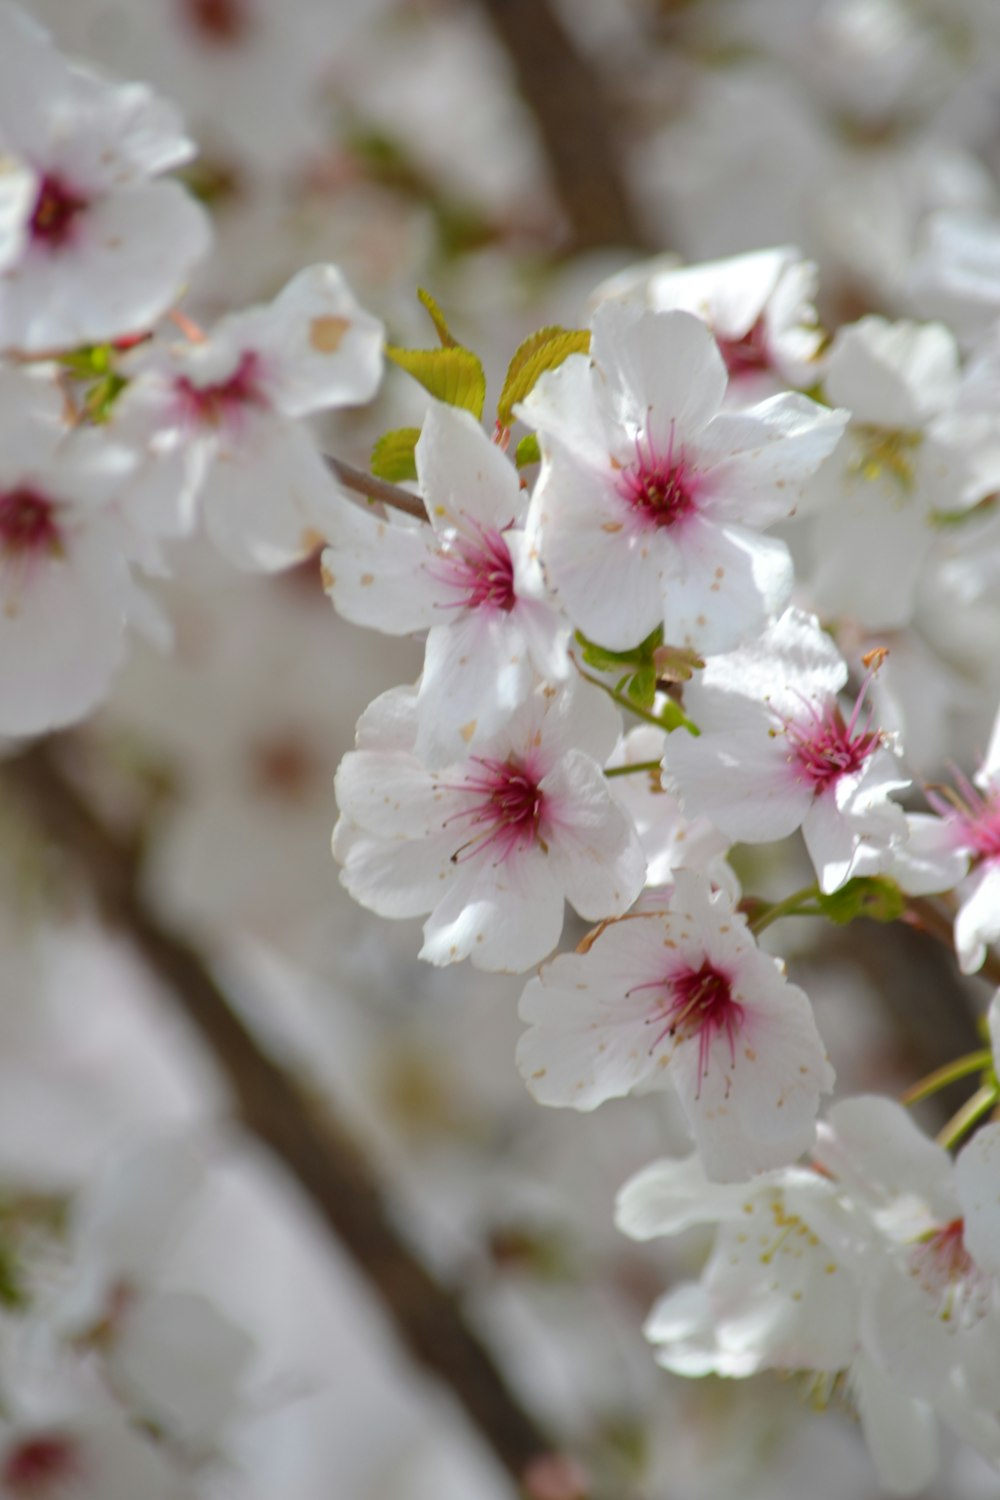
{"x": 776, "y": 753}
{"x": 969, "y": 830}
{"x": 923, "y": 1242}
{"x": 469, "y": 577}
{"x": 226, "y": 411}
{"x": 492, "y": 846}
{"x": 682, "y": 998}
{"x": 66, "y": 589}
{"x": 651, "y": 499}
{"x": 759, "y": 307}
{"x": 894, "y": 468}
{"x": 92, "y": 247}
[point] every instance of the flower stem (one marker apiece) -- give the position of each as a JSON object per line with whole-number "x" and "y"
{"x": 794, "y": 905}
{"x": 634, "y": 769}
{"x": 972, "y": 1111}
{"x": 962, "y": 1067}
{"x": 678, "y": 718}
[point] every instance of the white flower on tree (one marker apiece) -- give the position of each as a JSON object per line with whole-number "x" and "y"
{"x": 66, "y": 590}
{"x": 492, "y": 846}
{"x": 683, "y": 998}
{"x": 776, "y": 1293}
{"x": 91, "y": 246}
{"x": 776, "y": 753}
{"x": 895, "y": 467}
{"x": 759, "y": 307}
{"x": 228, "y": 411}
{"x": 651, "y": 499}
{"x": 970, "y": 830}
{"x": 470, "y": 578}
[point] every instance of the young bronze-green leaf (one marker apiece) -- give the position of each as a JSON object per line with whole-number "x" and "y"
{"x": 543, "y": 351}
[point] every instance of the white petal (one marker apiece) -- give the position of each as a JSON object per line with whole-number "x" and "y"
{"x": 664, "y": 372}
{"x": 505, "y": 917}
{"x": 463, "y": 473}
{"x": 269, "y": 499}
{"x": 726, "y": 584}
{"x": 319, "y": 346}
{"x": 379, "y": 571}
{"x": 593, "y": 843}
{"x": 977, "y": 1182}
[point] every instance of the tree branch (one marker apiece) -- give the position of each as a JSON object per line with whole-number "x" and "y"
{"x": 574, "y": 122}
{"x": 376, "y": 489}
{"x": 314, "y": 1146}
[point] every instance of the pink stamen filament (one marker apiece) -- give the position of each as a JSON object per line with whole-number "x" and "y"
{"x": 508, "y": 813}
{"x": 975, "y": 815}
{"x": 947, "y": 1272}
{"x": 698, "y": 1003}
{"x": 480, "y": 570}
{"x": 659, "y": 489}
{"x": 824, "y": 747}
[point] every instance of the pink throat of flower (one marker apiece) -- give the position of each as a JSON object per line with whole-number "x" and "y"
{"x": 660, "y": 489}
{"x": 27, "y": 524}
{"x": 507, "y": 812}
{"x": 975, "y": 817}
{"x": 41, "y": 1465}
{"x": 213, "y": 405}
{"x": 746, "y": 355}
{"x": 824, "y": 747}
{"x": 699, "y": 1003}
{"x": 56, "y": 210}
{"x": 219, "y": 22}
{"x": 479, "y": 569}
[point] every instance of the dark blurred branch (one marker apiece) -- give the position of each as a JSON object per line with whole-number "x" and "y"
{"x": 305, "y": 1136}
{"x": 574, "y": 121}
{"x": 376, "y": 489}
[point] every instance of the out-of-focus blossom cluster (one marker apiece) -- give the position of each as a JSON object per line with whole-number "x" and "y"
{"x": 701, "y": 622}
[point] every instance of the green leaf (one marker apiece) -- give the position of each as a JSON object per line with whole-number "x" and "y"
{"x": 544, "y": 350}
{"x": 874, "y": 896}
{"x": 393, "y": 456}
{"x": 102, "y": 396}
{"x": 437, "y": 317}
{"x": 528, "y": 451}
{"x": 642, "y": 686}
{"x": 455, "y": 375}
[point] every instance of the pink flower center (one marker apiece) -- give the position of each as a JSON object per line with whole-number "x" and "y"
{"x": 824, "y": 748}
{"x": 480, "y": 570}
{"x": 699, "y": 1003}
{"x": 974, "y": 816}
{"x": 40, "y": 1465}
{"x": 947, "y": 1273}
{"x": 27, "y": 524}
{"x": 219, "y": 22}
{"x": 56, "y": 209}
{"x": 506, "y": 812}
{"x": 213, "y": 405}
{"x": 748, "y": 354}
{"x": 660, "y": 489}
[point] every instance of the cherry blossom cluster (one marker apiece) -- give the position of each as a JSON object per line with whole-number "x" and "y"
{"x": 726, "y": 537}
{"x": 114, "y": 434}
{"x": 114, "y": 1380}
{"x": 692, "y": 604}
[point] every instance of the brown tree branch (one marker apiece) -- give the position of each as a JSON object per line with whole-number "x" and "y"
{"x": 376, "y": 489}
{"x": 313, "y": 1145}
{"x": 574, "y": 122}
